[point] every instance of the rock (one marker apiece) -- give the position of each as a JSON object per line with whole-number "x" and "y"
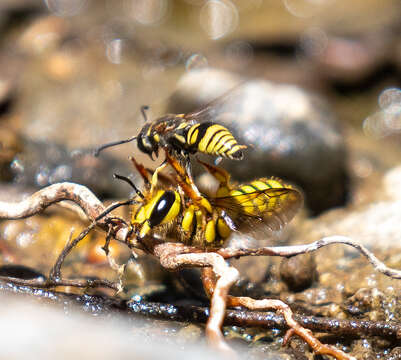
{"x": 374, "y": 224}
{"x": 298, "y": 272}
{"x": 290, "y": 133}
{"x": 40, "y": 164}
{"x": 104, "y": 337}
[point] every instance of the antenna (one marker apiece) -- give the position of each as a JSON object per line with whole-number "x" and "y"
{"x": 105, "y": 146}
{"x": 127, "y": 180}
{"x": 143, "y": 111}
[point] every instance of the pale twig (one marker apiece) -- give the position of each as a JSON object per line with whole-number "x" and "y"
{"x": 288, "y": 251}
{"x": 171, "y": 258}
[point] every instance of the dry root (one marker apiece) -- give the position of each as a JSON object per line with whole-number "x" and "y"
{"x": 171, "y": 258}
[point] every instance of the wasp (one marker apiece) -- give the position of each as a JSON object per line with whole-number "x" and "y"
{"x": 173, "y": 212}
{"x": 185, "y": 134}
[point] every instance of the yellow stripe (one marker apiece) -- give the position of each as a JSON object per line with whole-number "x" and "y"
{"x": 192, "y": 134}
{"x": 234, "y": 149}
{"x": 210, "y": 131}
{"x": 222, "y": 143}
{"x": 216, "y": 139}
{"x": 228, "y": 145}
{"x": 151, "y": 204}
{"x": 174, "y": 210}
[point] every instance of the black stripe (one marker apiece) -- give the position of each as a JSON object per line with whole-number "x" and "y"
{"x": 230, "y": 136}
{"x": 202, "y": 131}
{"x": 254, "y": 187}
{"x": 212, "y": 137}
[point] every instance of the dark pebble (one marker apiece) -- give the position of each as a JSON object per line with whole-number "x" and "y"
{"x": 298, "y": 272}
{"x": 290, "y": 133}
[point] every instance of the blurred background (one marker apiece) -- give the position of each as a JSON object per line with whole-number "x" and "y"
{"x": 320, "y": 106}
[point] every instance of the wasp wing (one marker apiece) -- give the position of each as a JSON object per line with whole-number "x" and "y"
{"x": 218, "y": 106}
{"x": 261, "y": 212}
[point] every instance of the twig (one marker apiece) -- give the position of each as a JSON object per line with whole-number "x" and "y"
{"x": 55, "y": 272}
{"x": 79, "y": 194}
{"x": 49, "y": 283}
{"x": 171, "y": 258}
{"x": 196, "y": 314}
{"x": 288, "y": 251}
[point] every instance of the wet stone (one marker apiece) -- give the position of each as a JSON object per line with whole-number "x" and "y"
{"x": 298, "y": 272}
{"x": 39, "y": 164}
{"x": 290, "y": 133}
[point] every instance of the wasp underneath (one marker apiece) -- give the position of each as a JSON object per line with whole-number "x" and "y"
{"x": 185, "y": 134}
{"x": 171, "y": 213}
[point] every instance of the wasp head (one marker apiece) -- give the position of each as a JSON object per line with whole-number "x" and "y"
{"x": 147, "y": 142}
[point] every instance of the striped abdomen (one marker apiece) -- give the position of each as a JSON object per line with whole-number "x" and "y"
{"x": 209, "y": 138}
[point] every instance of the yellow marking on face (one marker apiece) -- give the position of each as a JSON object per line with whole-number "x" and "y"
{"x": 149, "y": 130}
{"x": 188, "y": 218}
{"x": 223, "y": 229}
{"x": 140, "y": 217}
{"x": 157, "y": 138}
{"x": 210, "y": 231}
{"x": 145, "y": 229}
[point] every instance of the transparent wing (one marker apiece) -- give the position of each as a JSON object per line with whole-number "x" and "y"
{"x": 216, "y": 107}
{"x": 261, "y": 212}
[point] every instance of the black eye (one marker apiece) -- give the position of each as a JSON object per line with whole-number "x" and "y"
{"x": 162, "y": 208}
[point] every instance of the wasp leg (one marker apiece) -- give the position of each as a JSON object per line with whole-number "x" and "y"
{"x": 221, "y": 175}
{"x": 187, "y": 184}
{"x": 210, "y": 282}
{"x": 153, "y": 182}
{"x": 141, "y": 170}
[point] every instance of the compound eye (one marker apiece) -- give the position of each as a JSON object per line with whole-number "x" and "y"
{"x": 166, "y": 209}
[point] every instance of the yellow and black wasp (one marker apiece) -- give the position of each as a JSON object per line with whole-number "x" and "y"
{"x": 172, "y": 212}
{"x": 185, "y": 134}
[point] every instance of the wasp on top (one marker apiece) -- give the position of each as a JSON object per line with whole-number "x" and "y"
{"x": 185, "y": 134}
